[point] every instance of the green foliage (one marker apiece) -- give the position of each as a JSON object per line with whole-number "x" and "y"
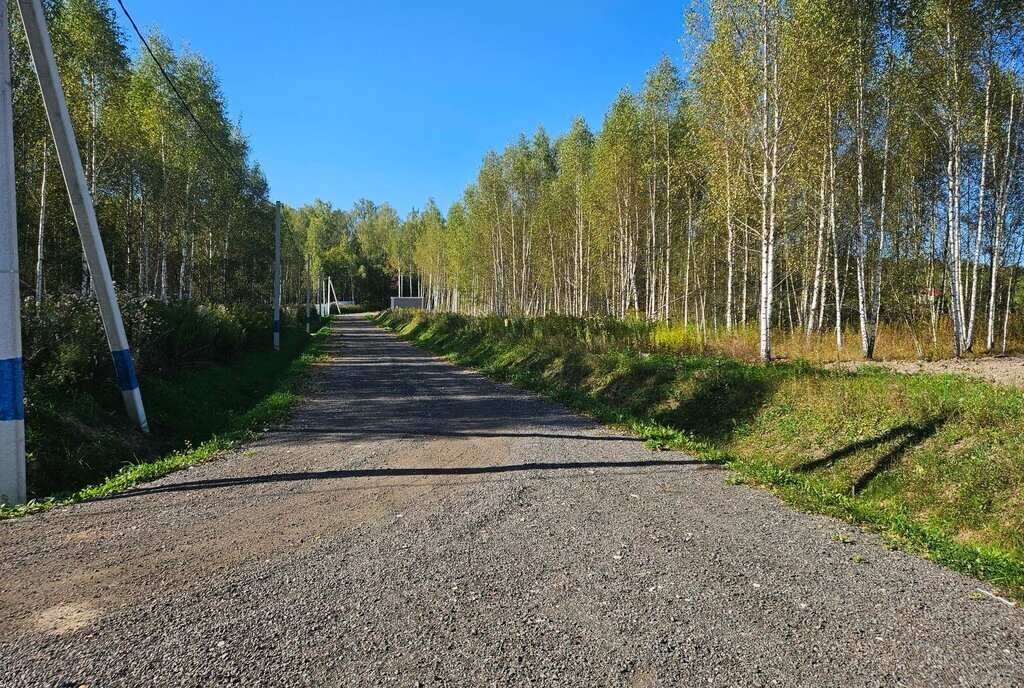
{"x": 863, "y": 158}
{"x": 198, "y": 366}
{"x": 64, "y": 344}
{"x": 185, "y": 332}
{"x": 282, "y": 377}
{"x": 179, "y": 217}
{"x": 933, "y": 461}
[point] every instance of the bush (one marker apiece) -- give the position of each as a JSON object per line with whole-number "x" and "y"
{"x": 185, "y": 332}
{"x": 76, "y": 429}
{"x": 296, "y": 315}
{"x": 65, "y": 346}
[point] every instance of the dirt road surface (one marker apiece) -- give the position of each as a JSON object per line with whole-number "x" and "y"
{"x": 1001, "y": 370}
{"x": 415, "y": 524}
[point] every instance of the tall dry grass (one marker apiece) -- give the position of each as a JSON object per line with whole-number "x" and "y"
{"x": 895, "y": 341}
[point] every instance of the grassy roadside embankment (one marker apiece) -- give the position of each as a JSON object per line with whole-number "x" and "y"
{"x": 198, "y": 413}
{"x": 933, "y": 462}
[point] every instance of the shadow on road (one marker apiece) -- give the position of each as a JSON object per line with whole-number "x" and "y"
{"x": 393, "y": 473}
{"x": 405, "y": 433}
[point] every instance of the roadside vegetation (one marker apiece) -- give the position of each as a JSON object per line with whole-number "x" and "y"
{"x": 934, "y": 462}
{"x": 187, "y": 223}
{"x": 209, "y": 378}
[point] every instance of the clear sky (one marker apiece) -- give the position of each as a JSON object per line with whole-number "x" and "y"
{"x": 399, "y": 101}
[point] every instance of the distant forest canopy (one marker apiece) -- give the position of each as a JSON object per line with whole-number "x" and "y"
{"x": 824, "y": 167}
{"x": 181, "y": 218}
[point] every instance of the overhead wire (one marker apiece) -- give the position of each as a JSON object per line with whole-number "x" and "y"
{"x": 180, "y": 97}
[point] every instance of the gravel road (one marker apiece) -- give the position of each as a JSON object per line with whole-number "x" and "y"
{"x": 415, "y": 524}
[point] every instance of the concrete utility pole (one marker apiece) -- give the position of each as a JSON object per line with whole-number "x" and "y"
{"x": 335, "y": 299}
{"x": 81, "y": 205}
{"x": 277, "y": 276}
{"x": 12, "y": 400}
{"x": 309, "y": 288}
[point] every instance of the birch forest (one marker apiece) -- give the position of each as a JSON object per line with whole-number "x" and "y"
{"x": 801, "y": 171}
{"x": 182, "y": 216}
{"x": 820, "y": 171}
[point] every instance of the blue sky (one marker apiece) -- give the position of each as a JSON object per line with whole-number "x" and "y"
{"x": 399, "y": 101}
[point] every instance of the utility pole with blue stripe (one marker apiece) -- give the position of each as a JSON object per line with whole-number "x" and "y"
{"x": 277, "y": 276}
{"x": 81, "y": 205}
{"x": 12, "y": 400}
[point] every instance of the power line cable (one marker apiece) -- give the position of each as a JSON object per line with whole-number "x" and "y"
{"x": 181, "y": 98}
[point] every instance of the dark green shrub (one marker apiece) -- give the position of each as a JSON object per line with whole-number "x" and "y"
{"x": 76, "y": 429}
{"x": 186, "y": 332}
{"x": 65, "y": 345}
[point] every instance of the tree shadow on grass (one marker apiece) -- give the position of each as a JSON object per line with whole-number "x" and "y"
{"x": 905, "y": 437}
{"x": 720, "y": 397}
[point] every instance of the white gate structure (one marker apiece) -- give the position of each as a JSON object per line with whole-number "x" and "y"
{"x": 407, "y": 302}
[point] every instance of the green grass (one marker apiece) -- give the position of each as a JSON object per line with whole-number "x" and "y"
{"x": 201, "y": 402}
{"x": 203, "y": 412}
{"x": 934, "y": 462}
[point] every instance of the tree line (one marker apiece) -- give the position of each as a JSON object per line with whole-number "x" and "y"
{"x": 820, "y": 168}
{"x": 182, "y": 216}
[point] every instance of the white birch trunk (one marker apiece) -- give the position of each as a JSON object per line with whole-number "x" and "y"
{"x": 819, "y": 250}
{"x": 969, "y": 343}
{"x": 1004, "y": 180}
